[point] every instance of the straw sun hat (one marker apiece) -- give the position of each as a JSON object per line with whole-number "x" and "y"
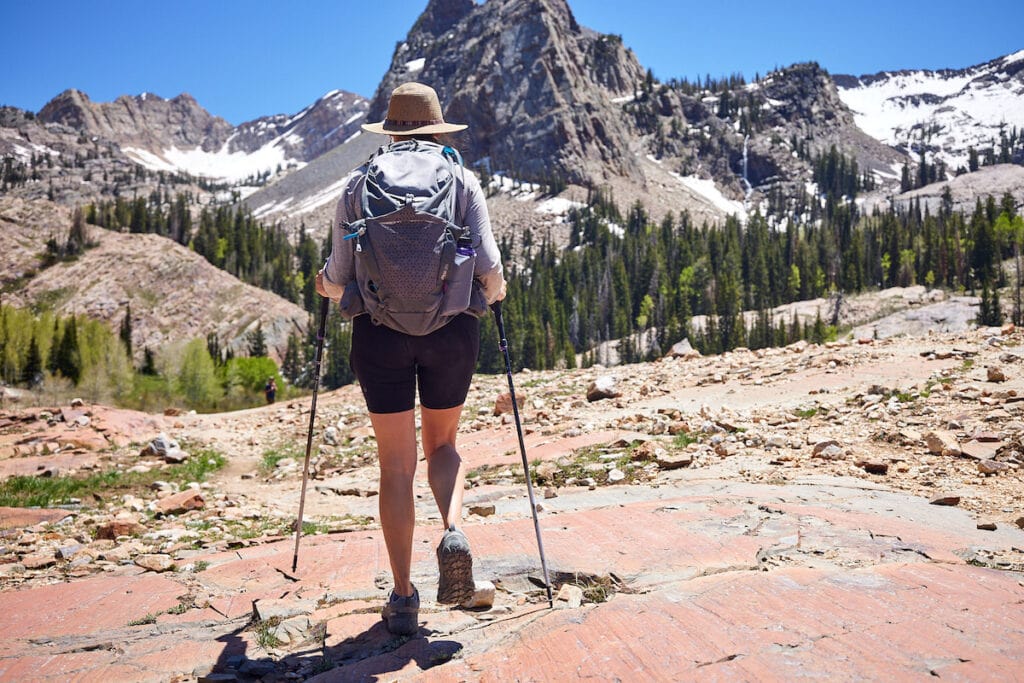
{"x": 413, "y": 109}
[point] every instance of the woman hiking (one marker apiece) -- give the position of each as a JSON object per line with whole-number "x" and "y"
{"x": 395, "y": 353}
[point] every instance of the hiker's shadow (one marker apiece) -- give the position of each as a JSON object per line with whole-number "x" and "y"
{"x": 369, "y": 655}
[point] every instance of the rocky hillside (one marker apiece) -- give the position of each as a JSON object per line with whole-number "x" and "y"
{"x": 964, "y": 190}
{"x": 100, "y": 144}
{"x": 175, "y": 295}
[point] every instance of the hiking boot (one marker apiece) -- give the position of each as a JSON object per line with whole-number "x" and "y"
{"x": 455, "y": 566}
{"x": 401, "y": 614}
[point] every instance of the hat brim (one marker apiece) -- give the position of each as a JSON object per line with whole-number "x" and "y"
{"x": 385, "y": 128}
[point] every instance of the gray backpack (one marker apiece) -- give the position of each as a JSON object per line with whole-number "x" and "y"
{"x": 413, "y": 264}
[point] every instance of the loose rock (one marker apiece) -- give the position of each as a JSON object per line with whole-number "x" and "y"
{"x": 483, "y": 595}
{"x": 873, "y": 467}
{"x": 503, "y": 404}
{"x": 993, "y": 467}
{"x": 177, "y": 503}
{"x": 942, "y": 442}
{"x": 603, "y": 387}
{"x": 571, "y": 595}
{"x": 157, "y": 562}
{"x": 482, "y": 510}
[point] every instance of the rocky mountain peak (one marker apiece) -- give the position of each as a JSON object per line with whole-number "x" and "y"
{"x": 441, "y": 15}
{"x": 67, "y": 108}
{"x": 536, "y": 90}
{"x": 145, "y": 120}
{"x": 808, "y": 92}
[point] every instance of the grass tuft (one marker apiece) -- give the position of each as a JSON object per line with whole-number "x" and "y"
{"x": 27, "y": 491}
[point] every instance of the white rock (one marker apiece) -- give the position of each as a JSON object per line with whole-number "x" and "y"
{"x": 571, "y": 595}
{"x": 483, "y": 595}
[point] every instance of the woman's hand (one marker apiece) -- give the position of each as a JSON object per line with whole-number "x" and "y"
{"x": 320, "y": 289}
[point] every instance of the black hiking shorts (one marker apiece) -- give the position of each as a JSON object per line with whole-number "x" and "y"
{"x": 390, "y": 364}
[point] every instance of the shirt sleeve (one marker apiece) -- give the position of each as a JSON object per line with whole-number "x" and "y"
{"x": 488, "y": 270}
{"x": 340, "y": 267}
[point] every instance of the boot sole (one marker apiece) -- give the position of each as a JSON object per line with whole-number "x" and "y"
{"x": 456, "y": 584}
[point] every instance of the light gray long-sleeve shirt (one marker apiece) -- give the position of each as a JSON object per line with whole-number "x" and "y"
{"x": 470, "y": 209}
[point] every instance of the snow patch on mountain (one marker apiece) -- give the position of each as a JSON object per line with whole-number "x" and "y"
{"x": 223, "y": 165}
{"x": 707, "y": 190}
{"x": 949, "y": 110}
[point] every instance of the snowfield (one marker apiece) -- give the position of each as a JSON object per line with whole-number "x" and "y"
{"x": 707, "y": 190}
{"x": 231, "y": 167}
{"x": 966, "y": 107}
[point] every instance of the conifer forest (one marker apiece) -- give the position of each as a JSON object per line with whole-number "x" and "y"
{"x": 646, "y": 283}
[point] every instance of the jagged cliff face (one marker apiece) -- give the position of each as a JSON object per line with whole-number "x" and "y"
{"x": 536, "y": 89}
{"x": 144, "y": 120}
{"x": 180, "y": 135}
{"x": 317, "y": 129}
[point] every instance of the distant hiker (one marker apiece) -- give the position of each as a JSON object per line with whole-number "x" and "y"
{"x": 415, "y": 298}
{"x": 270, "y": 389}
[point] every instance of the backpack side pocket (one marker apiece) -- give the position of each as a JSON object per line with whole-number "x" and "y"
{"x": 458, "y": 285}
{"x": 352, "y": 303}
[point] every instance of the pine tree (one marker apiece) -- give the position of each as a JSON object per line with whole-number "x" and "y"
{"x": 257, "y": 342}
{"x": 906, "y": 184}
{"x": 126, "y": 330}
{"x": 55, "y": 337}
{"x": 78, "y": 237}
{"x": 291, "y": 367}
{"x": 213, "y": 348}
{"x": 990, "y": 312}
{"x": 148, "y": 363}
{"x": 68, "y": 356}
{"x": 32, "y": 373}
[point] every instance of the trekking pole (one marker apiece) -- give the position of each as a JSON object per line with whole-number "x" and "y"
{"x": 503, "y": 345}
{"x": 325, "y": 305}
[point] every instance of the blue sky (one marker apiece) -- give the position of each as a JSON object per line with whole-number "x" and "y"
{"x": 242, "y": 60}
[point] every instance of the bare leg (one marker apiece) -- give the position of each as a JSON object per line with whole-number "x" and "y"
{"x": 396, "y": 449}
{"x": 445, "y": 469}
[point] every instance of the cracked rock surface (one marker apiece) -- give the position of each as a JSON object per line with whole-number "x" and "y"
{"x": 842, "y": 511}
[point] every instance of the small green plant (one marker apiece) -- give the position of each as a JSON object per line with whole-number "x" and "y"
{"x": 683, "y": 439}
{"x": 596, "y": 589}
{"x": 201, "y": 566}
{"x": 584, "y": 464}
{"x": 272, "y": 456}
{"x": 197, "y": 467}
{"x": 180, "y": 608}
{"x": 324, "y": 664}
{"x": 27, "y": 491}
{"x": 148, "y": 619}
{"x": 265, "y": 637}
{"x": 313, "y": 528}
{"x": 806, "y": 413}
